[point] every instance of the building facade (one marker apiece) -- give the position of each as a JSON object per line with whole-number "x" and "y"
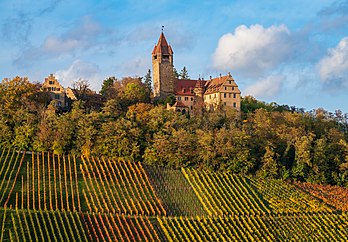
{"x": 55, "y": 91}
{"x": 220, "y": 91}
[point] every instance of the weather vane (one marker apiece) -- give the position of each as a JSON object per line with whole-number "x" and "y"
{"x": 162, "y": 28}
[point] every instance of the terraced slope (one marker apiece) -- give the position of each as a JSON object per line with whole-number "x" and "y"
{"x": 283, "y": 197}
{"x": 294, "y": 227}
{"x": 225, "y": 194}
{"x": 171, "y": 186}
{"x": 46, "y": 197}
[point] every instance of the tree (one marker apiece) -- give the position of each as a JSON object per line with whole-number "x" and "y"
{"x": 269, "y": 168}
{"x": 18, "y": 93}
{"x": 107, "y": 90}
{"x": 148, "y": 80}
{"x": 131, "y": 90}
{"x": 44, "y": 138}
{"x": 175, "y": 73}
{"x": 172, "y": 150}
{"x": 302, "y": 156}
{"x": 5, "y": 134}
{"x": 119, "y": 139}
{"x": 184, "y": 74}
{"x": 82, "y": 89}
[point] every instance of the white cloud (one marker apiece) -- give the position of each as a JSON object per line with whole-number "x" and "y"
{"x": 135, "y": 66}
{"x": 265, "y": 88}
{"x": 83, "y": 36}
{"x": 333, "y": 68}
{"x": 57, "y": 45}
{"x": 253, "y": 51}
{"x": 80, "y": 70}
{"x": 87, "y": 35}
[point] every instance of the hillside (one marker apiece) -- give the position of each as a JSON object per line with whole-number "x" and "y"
{"x": 47, "y": 197}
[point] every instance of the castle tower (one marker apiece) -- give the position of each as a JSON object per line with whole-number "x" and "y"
{"x": 162, "y": 68}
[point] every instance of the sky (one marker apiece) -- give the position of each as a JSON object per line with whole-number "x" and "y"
{"x": 290, "y": 52}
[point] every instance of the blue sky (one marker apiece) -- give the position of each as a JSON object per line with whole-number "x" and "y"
{"x": 290, "y": 52}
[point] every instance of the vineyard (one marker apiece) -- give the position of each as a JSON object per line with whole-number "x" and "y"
{"x": 49, "y": 197}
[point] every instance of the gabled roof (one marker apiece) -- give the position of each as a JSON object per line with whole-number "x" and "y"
{"x": 162, "y": 46}
{"x": 179, "y": 104}
{"x": 185, "y": 87}
{"x": 214, "y": 85}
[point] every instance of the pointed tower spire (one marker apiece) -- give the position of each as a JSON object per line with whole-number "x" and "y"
{"x": 162, "y": 46}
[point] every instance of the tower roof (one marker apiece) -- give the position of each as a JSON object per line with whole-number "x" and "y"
{"x": 162, "y": 46}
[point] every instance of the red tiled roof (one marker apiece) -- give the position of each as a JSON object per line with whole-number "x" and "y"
{"x": 162, "y": 46}
{"x": 185, "y": 87}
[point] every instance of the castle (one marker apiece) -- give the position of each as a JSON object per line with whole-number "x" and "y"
{"x": 188, "y": 93}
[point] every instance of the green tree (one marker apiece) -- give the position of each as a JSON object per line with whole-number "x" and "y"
{"x": 317, "y": 175}
{"x": 171, "y": 150}
{"x": 44, "y": 138}
{"x": 302, "y": 156}
{"x": 269, "y": 167}
{"x": 175, "y": 73}
{"x": 107, "y": 89}
{"x": 119, "y": 139}
{"x": 148, "y": 80}
{"x": 5, "y": 134}
{"x": 87, "y": 129}
{"x": 184, "y": 73}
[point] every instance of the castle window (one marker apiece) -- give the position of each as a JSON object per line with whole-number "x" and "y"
{"x": 232, "y": 88}
{"x": 225, "y": 95}
{"x": 57, "y": 96}
{"x": 179, "y": 98}
{"x": 224, "y": 103}
{"x": 191, "y": 99}
{"x": 58, "y": 89}
{"x": 186, "y": 98}
{"x": 225, "y": 88}
{"x": 234, "y": 95}
{"x": 234, "y": 105}
{"x": 229, "y": 82}
{"x": 51, "y": 82}
{"x": 229, "y": 95}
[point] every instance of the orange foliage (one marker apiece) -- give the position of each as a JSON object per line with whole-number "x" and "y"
{"x": 333, "y": 195}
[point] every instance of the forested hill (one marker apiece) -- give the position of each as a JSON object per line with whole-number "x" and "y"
{"x": 268, "y": 140}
